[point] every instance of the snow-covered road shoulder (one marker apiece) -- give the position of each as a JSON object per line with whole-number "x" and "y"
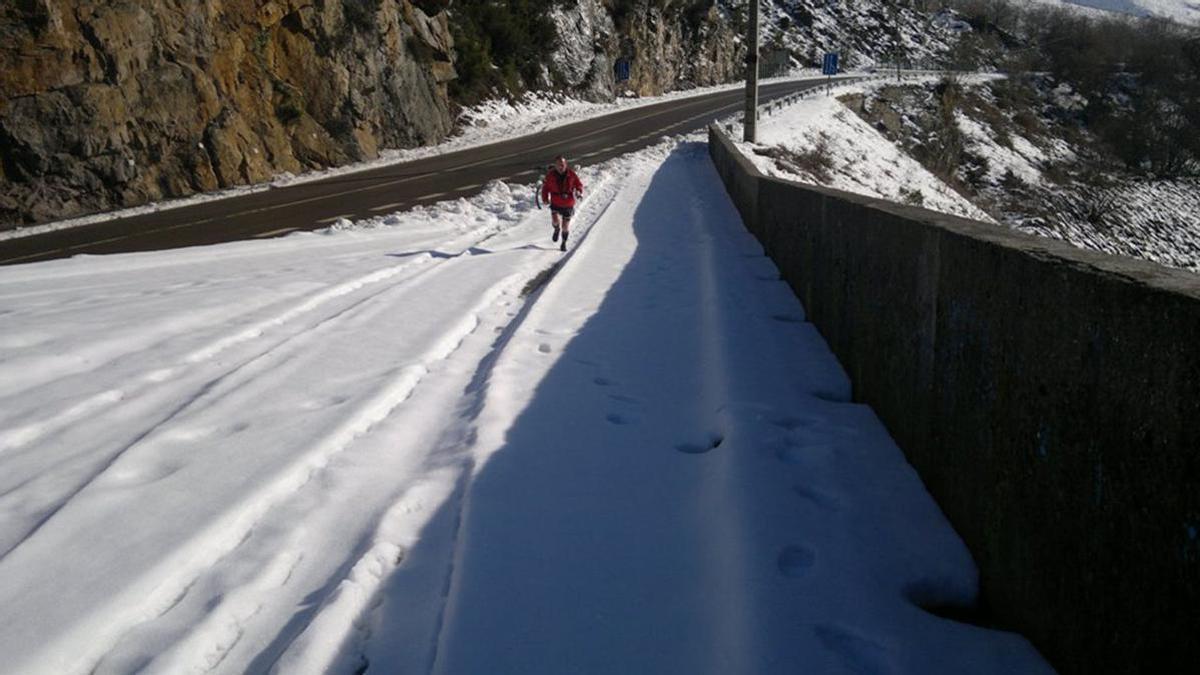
{"x": 669, "y": 477}
{"x": 434, "y": 443}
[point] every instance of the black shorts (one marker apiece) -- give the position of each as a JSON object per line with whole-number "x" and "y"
{"x": 564, "y": 211}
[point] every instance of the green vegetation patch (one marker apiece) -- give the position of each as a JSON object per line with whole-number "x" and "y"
{"x": 501, "y": 46}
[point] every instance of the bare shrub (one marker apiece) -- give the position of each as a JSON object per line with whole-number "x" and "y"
{"x": 1094, "y": 206}
{"x": 912, "y": 196}
{"x": 816, "y": 161}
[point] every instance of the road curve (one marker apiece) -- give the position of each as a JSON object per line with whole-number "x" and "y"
{"x": 314, "y": 205}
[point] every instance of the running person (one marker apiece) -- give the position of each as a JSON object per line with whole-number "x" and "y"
{"x": 561, "y": 187}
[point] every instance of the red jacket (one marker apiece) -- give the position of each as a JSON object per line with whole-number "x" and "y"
{"x": 561, "y": 190}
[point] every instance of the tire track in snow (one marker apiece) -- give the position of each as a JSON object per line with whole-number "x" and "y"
{"x": 368, "y": 416}
{"x": 477, "y": 394}
{"x": 336, "y": 635}
{"x": 167, "y": 584}
{"x": 344, "y": 619}
{"x": 99, "y": 404}
{"x": 104, "y": 354}
{"x": 293, "y": 342}
{"x": 163, "y": 585}
{"x": 352, "y": 594}
{"x": 195, "y": 401}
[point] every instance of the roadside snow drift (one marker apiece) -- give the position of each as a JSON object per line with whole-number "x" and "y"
{"x": 434, "y": 443}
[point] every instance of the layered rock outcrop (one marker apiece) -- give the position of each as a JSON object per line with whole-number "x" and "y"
{"x": 586, "y": 51}
{"x": 670, "y": 45}
{"x": 107, "y": 103}
{"x": 679, "y": 46}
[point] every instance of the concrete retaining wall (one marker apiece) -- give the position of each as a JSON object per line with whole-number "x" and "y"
{"x": 1049, "y": 397}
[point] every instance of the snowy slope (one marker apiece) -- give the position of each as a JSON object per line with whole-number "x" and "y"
{"x": 1182, "y": 11}
{"x": 860, "y": 159}
{"x": 1007, "y": 175}
{"x": 384, "y": 447}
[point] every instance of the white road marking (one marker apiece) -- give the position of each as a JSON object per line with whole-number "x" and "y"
{"x": 333, "y": 219}
{"x": 272, "y": 233}
{"x": 386, "y": 207}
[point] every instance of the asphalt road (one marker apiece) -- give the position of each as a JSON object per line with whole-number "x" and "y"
{"x": 311, "y": 206}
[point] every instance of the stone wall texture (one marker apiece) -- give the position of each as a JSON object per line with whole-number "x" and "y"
{"x": 1049, "y": 397}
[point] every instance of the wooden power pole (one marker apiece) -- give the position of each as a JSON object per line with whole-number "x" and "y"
{"x": 750, "y": 120}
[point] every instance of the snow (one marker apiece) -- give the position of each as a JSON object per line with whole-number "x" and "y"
{"x": 1181, "y": 11}
{"x": 432, "y": 443}
{"x": 1021, "y": 160}
{"x": 1154, "y": 220}
{"x": 863, "y": 160}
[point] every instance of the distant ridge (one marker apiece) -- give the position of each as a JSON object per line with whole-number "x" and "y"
{"x": 1182, "y": 11}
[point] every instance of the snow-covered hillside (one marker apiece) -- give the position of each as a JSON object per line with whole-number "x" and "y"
{"x": 1002, "y": 164}
{"x": 819, "y": 141}
{"x": 1183, "y": 11}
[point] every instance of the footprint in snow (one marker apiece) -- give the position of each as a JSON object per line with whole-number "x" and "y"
{"x": 622, "y": 398}
{"x": 861, "y": 654}
{"x": 603, "y": 381}
{"x": 795, "y": 561}
{"x": 813, "y": 423}
{"x": 544, "y": 348}
{"x": 794, "y": 453}
{"x": 619, "y": 419}
{"x": 713, "y": 443}
{"x": 832, "y": 396}
{"x": 793, "y": 423}
{"x": 817, "y": 497}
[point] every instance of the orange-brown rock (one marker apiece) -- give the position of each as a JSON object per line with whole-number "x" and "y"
{"x": 109, "y": 103}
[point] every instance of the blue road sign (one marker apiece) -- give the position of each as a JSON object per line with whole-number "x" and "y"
{"x": 621, "y": 69}
{"x": 830, "y": 65}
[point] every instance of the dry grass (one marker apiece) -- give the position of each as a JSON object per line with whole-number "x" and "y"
{"x": 816, "y": 162}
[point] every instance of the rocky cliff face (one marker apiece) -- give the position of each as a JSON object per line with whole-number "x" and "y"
{"x": 679, "y": 46}
{"x": 116, "y": 103}
{"x": 587, "y": 47}
{"x": 670, "y": 45}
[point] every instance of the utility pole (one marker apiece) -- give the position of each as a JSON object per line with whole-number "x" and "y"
{"x": 750, "y": 120}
